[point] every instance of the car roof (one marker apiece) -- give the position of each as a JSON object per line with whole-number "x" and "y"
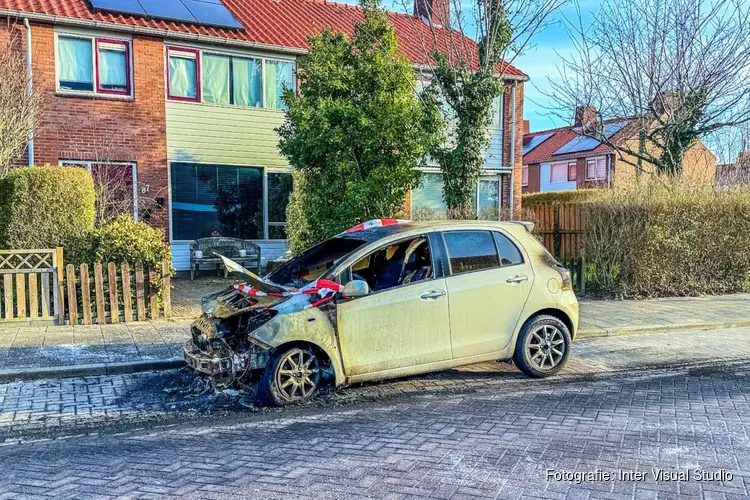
{"x": 378, "y": 233}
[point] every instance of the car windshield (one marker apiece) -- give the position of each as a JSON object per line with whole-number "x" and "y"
{"x": 313, "y": 263}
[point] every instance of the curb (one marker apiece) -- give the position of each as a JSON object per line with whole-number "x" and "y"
{"x": 588, "y": 333}
{"x": 90, "y": 370}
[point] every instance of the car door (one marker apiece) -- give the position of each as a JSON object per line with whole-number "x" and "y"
{"x": 489, "y": 282}
{"x": 398, "y": 327}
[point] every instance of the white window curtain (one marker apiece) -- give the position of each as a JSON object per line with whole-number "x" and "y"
{"x": 596, "y": 169}
{"x": 215, "y": 74}
{"x": 248, "y": 82}
{"x": 525, "y": 176}
{"x": 559, "y": 172}
{"x": 279, "y": 75}
{"x": 497, "y": 112}
{"x": 75, "y": 62}
{"x": 113, "y": 67}
{"x": 183, "y": 76}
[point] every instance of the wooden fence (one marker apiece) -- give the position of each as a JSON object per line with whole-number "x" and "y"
{"x": 117, "y": 294}
{"x": 560, "y": 228}
{"x": 29, "y": 284}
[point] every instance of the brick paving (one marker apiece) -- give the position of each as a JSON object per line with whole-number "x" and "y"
{"x": 495, "y": 443}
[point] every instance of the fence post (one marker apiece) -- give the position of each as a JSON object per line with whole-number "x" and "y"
{"x": 114, "y": 308}
{"x": 583, "y": 272}
{"x": 140, "y": 295}
{"x": 152, "y": 295}
{"x": 72, "y": 301}
{"x": 101, "y": 314}
{"x": 59, "y": 284}
{"x": 85, "y": 294}
{"x": 166, "y": 287}
{"x": 127, "y": 299}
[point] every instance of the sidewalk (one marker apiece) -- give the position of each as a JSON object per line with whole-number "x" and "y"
{"x": 56, "y": 351}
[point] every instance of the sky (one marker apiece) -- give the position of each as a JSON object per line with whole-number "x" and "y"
{"x": 540, "y": 61}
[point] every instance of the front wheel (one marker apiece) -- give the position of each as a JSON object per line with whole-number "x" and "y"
{"x": 292, "y": 376}
{"x": 543, "y": 346}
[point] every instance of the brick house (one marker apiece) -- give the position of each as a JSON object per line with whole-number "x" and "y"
{"x": 562, "y": 159}
{"x": 186, "y": 111}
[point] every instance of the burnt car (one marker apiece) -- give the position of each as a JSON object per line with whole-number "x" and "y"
{"x": 386, "y": 301}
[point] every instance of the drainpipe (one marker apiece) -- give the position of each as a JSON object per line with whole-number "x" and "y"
{"x": 31, "y": 85}
{"x": 512, "y": 147}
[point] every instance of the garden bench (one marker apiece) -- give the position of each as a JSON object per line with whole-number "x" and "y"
{"x": 228, "y": 247}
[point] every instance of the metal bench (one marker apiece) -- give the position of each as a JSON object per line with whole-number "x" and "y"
{"x": 228, "y": 247}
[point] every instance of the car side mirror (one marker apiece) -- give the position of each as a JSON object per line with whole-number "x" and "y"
{"x": 356, "y": 288}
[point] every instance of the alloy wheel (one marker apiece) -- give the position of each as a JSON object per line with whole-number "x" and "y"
{"x": 298, "y": 375}
{"x": 545, "y": 347}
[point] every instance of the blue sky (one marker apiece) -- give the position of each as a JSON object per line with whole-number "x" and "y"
{"x": 540, "y": 61}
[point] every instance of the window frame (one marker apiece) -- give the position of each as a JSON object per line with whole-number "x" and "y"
{"x": 266, "y": 171}
{"x": 552, "y": 171}
{"x": 450, "y": 272}
{"x": 596, "y": 159}
{"x": 573, "y": 164}
{"x": 96, "y": 91}
{"x": 88, "y": 164}
{"x": 525, "y": 176}
{"x": 199, "y": 52}
{"x": 199, "y": 82}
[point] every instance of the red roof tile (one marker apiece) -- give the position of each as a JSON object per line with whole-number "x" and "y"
{"x": 544, "y": 153}
{"x": 285, "y": 23}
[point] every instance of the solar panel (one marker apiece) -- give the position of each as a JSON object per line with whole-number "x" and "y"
{"x": 211, "y": 12}
{"x": 168, "y": 9}
{"x": 584, "y": 143}
{"x": 534, "y": 141}
{"x": 124, "y": 6}
{"x": 611, "y": 129}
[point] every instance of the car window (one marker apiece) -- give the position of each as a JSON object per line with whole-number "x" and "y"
{"x": 509, "y": 253}
{"x": 400, "y": 263}
{"x": 313, "y": 263}
{"x": 470, "y": 251}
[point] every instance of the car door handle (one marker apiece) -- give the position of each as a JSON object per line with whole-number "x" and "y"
{"x": 432, "y": 295}
{"x": 519, "y": 278}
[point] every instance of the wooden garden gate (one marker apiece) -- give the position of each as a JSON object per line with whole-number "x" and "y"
{"x": 30, "y": 285}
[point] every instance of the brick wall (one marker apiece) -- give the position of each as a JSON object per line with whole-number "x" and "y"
{"x": 518, "y": 161}
{"x": 533, "y": 186}
{"x": 82, "y": 128}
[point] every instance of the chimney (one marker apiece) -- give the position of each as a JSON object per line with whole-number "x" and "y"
{"x": 435, "y": 12}
{"x": 526, "y": 127}
{"x": 585, "y": 115}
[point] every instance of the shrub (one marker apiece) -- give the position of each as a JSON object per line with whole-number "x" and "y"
{"x": 47, "y": 207}
{"x": 124, "y": 240}
{"x": 561, "y": 197}
{"x": 668, "y": 241}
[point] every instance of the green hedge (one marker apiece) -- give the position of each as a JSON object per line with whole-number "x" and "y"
{"x": 560, "y": 197}
{"x": 668, "y": 242}
{"x": 123, "y": 240}
{"x": 46, "y": 207}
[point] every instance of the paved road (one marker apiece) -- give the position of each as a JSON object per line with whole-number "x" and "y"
{"x": 478, "y": 432}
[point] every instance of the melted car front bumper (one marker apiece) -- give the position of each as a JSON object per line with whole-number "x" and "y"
{"x": 218, "y": 365}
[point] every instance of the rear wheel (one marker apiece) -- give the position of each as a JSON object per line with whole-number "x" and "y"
{"x": 292, "y": 376}
{"x": 543, "y": 346}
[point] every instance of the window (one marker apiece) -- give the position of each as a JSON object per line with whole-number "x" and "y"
{"x": 427, "y": 200}
{"x": 572, "y": 173}
{"x": 558, "y": 172}
{"x": 279, "y": 189}
{"x": 93, "y": 65}
{"x": 497, "y": 112}
{"x": 400, "y": 263}
{"x": 279, "y": 76}
{"x": 201, "y": 76}
{"x": 184, "y": 68}
{"x": 470, "y": 251}
{"x": 509, "y": 253}
{"x": 115, "y": 185}
{"x": 525, "y": 176}
{"x": 488, "y": 198}
{"x": 596, "y": 169}
{"x": 216, "y": 200}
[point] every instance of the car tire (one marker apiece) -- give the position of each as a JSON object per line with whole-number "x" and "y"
{"x": 291, "y": 376}
{"x": 542, "y": 347}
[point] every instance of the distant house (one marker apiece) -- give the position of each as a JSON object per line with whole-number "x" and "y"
{"x": 182, "y": 99}
{"x": 563, "y": 159}
{"x": 735, "y": 174}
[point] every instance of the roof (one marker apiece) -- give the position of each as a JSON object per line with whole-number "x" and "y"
{"x": 544, "y": 153}
{"x": 377, "y": 233}
{"x": 279, "y": 23}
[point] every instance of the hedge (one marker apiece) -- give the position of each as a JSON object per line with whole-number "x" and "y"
{"x": 668, "y": 242}
{"x": 561, "y": 197}
{"x": 123, "y": 240}
{"x": 46, "y": 207}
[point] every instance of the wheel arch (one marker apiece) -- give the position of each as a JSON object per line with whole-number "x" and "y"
{"x": 317, "y": 350}
{"x": 557, "y": 313}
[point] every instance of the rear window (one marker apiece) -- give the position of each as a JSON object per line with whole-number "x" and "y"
{"x": 470, "y": 251}
{"x": 509, "y": 253}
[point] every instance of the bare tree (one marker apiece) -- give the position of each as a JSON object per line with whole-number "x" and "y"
{"x": 679, "y": 69}
{"x": 467, "y": 76}
{"x": 20, "y": 103}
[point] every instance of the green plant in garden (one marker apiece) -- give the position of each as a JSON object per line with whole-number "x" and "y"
{"x": 47, "y": 207}
{"x": 562, "y": 197}
{"x": 123, "y": 240}
{"x": 355, "y": 131}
